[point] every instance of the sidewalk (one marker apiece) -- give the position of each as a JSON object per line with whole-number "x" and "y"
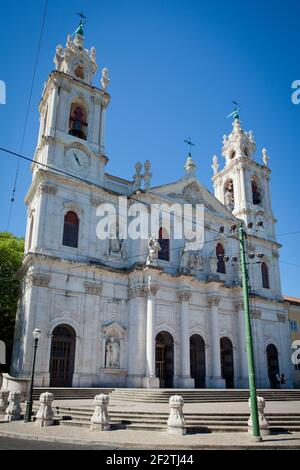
{"x": 129, "y": 439}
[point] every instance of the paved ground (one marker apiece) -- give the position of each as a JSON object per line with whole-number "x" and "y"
{"x": 130, "y": 439}
{"x": 12, "y": 443}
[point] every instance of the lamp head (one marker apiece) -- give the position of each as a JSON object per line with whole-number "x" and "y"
{"x": 36, "y": 333}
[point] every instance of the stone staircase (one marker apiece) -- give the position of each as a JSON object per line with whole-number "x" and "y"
{"x": 70, "y": 393}
{"x": 196, "y": 422}
{"x": 201, "y": 395}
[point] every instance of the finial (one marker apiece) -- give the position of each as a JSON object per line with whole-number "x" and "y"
{"x": 265, "y": 156}
{"x": 235, "y": 112}
{"x": 215, "y": 165}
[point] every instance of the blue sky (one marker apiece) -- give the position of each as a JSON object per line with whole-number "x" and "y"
{"x": 175, "y": 66}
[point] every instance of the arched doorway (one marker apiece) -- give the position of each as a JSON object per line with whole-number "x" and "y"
{"x": 273, "y": 364}
{"x": 62, "y": 356}
{"x": 197, "y": 360}
{"x": 164, "y": 359}
{"x": 227, "y": 369}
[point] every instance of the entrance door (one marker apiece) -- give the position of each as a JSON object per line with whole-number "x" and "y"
{"x": 62, "y": 356}
{"x": 197, "y": 360}
{"x": 227, "y": 368}
{"x": 273, "y": 364}
{"x": 164, "y": 359}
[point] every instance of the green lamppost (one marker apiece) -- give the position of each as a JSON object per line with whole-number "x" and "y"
{"x": 36, "y": 335}
{"x": 249, "y": 343}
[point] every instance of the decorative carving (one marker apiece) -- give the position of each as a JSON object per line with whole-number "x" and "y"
{"x": 152, "y": 289}
{"x": 100, "y": 419}
{"x": 190, "y": 193}
{"x": 263, "y": 422}
{"x": 238, "y": 144}
{"x": 137, "y": 291}
{"x": 184, "y": 260}
{"x": 3, "y": 400}
{"x": 46, "y": 188}
{"x": 44, "y": 416}
{"x": 176, "y": 421}
{"x": 92, "y": 287}
{"x": 13, "y": 411}
{"x": 214, "y": 301}
{"x": 184, "y": 295}
{"x": 95, "y": 201}
{"x": 112, "y": 359}
{"x": 37, "y": 280}
{"x": 255, "y": 314}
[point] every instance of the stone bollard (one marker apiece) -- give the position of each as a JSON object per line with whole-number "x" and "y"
{"x": 100, "y": 418}
{"x": 13, "y": 411}
{"x": 176, "y": 422}
{"x": 3, "y": 400}
{"x": 44, "y": 416}
{"x": 263, "y": 423}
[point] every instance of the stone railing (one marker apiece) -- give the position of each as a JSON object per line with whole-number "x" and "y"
{"x": 118, "y": 184}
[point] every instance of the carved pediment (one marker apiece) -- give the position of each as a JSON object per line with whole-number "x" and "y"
{"x": 190, "y": 193}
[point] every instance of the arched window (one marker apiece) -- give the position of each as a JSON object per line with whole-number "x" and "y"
{"x": 78, "y": 121}
{"x": 71, "y": 227}
{"x": 229, "y": 194}
{"x": 256, "y": 192}
{"x": 164, "y": 241}
{"x": 265, "y": 276}
{"x": 220, "y": 259}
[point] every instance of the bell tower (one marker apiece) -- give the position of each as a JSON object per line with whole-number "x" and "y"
{"x": 72, "y": 113}
{"x": 243, "y": 184}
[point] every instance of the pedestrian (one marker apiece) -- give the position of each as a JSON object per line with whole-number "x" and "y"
{"x": 278, "y": 380}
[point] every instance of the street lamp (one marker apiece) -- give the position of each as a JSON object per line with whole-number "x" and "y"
{"x": 36, "y": 335}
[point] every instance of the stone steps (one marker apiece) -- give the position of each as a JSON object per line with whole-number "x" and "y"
{"x": 70, "y": 393}
{"x": 196, "y": 422}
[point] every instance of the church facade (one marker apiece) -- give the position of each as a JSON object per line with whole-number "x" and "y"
{"x": 119, "y": 312}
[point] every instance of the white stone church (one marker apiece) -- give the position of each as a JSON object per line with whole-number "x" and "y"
{"x": 108, "y": 315}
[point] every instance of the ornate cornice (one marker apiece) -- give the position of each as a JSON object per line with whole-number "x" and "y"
{"x": 184, "y": 295}
{"x": 213, "y": 301}
{"x": 92, "y": 287}
{"x": 37, "y": 280}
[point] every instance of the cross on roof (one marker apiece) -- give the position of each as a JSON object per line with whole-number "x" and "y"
{"x": 190, "y": 144}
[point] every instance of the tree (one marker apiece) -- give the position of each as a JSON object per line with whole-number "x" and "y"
{"x": 11, "y": 254}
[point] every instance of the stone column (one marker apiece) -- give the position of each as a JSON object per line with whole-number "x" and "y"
{"x": 102, "y": 128}
{"x": 151, "y": 381}
{"x": 137, "y": 336}
{"x": 243, "y": 381}
{"x": 186, "y": 380}
{"x": 216, "y": 380}
{"x": 52, "y": 110}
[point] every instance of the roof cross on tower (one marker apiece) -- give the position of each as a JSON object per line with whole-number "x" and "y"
{"x": 190, "y": 145}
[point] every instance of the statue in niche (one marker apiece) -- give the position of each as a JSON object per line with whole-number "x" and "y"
{"x": 213, "y": 264}
{"x": 112, "y": 354}
{"x": 184, "y": 260}
{"x": 115, "y": 243}
{"x": 229, "y": 195}
{"x": 196, "y": 261}
{"x": 154, "y": 248}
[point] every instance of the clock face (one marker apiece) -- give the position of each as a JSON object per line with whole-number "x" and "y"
{"x": 77, "y": 161}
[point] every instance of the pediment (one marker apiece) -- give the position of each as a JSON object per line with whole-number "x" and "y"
{"x": 193, "y": 192}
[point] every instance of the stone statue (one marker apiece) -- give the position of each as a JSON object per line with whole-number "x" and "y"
{"x": 115, "y": 244}
{"x": 184, "y": 260}
{"x": 197, "y": 262}
{"x": 59, "y": 57}
{"x": 215, "y": 165}
{"x": 235, "y": 271}
{"x": 265, "y": 157}
{"x": 213, "y": 264}
{"x": 69, "y": 41}
{"x": 93, "y": 54}
{"x": 104, "y": 79}
{"x": 112, "y": 354}
{"x": 154, "y": 248}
